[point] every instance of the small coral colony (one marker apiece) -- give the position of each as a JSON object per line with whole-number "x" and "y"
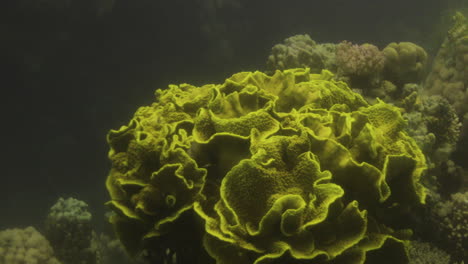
{"x": 336, "y": 153}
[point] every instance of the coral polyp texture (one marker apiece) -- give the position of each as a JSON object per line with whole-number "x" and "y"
{"x": 405, "y": 62}
{"x": 68, "y": 227}
{"x": 301, "y": 51}
{"x": 449, "y": 74}
{"x": 451, "y": 217}
{"x": 364, "y": 60}
{"x": 289, "y": 168}
{"x": 25, "y": 246}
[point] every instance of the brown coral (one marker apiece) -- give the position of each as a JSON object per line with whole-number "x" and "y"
{"x": 25, "y": 246}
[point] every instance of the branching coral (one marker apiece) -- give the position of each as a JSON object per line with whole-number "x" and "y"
{"x": 69, "y": 230}
{"x": 301, "y": 51}
{"x": 434, "y": 124}
{"x": 451, "y": 220}
{"x": 449, "y": 75}
{"x": 359, "y": 61}
{"x": 293, "y": 167}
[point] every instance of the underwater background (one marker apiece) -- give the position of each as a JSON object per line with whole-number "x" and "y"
{"x": 73, "y": 70}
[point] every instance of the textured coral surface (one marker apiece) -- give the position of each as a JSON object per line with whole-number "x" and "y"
{"x": 264, "y": 169}
{"x": 25, "y": 246}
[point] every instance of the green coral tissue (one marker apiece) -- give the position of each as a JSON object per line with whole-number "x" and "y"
{"x": 289, "y": 168}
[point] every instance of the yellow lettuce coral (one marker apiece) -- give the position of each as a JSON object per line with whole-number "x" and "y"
{"x": 293, "y": 167}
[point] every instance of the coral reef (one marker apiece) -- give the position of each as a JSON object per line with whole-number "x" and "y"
{"x": 390, "y": 74}
{"x": 405, "y": 62}
{"x": 69, "y": 229}
{"x": 300, "y": 51}
{"x": 425, "y": 253}
{"x": 25, "y": 246}
{"x": 435, "y": 126}
{"x": 449, "y": 74}
{"x": 71, "y": 233}
{"x": 354, "y": 60}
{"x": 449, "y": 78}
{"x": 293, "y": 167}
{"x": 450, "y": 217}
{"x": 111, "y": 251}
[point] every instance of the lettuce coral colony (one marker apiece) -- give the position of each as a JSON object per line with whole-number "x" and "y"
{"x": 293, "y": 167}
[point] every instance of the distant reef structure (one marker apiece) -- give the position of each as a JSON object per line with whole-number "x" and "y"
{"x": 67, "y": 237}
{"x": 372, "y": 72}
{"x": 300, "y": 51}
{"x": 18, "y": 246}
{"x": 449, "y": 74}
{"x": 69, "y": 229}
